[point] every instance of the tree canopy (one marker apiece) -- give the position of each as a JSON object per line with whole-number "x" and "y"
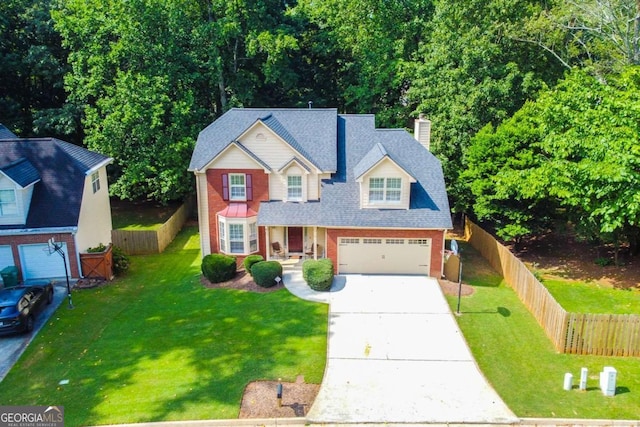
{"x": 533, "y": 104}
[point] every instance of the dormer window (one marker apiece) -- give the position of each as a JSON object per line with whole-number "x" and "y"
{"x": 8, "y": 205}
{"x": 383, "y": 190}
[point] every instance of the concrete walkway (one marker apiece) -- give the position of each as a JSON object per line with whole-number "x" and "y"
{"x": 396, "y": 355}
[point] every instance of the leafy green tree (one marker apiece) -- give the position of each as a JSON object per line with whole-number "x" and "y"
{"x": 603, "y": 34}
{"x": 575, "y": 148}
{"x": 33, "y": 63}
{"x": 470, "y": 73}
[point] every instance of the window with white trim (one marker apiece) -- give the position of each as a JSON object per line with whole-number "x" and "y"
{"x": 238, "y": 235}
{"x": 294, "y": 187}
{"x": 8, "y": 204}
{"x": 385, "y": 190}
{"x": 253, "y": 237}
{"x": 95, "y": 181}
{"x": 236, "y": 238}
{"x": 237, "y": 186}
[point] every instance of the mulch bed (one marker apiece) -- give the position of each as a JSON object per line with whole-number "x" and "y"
{"x": 243, "y": 281}
{"x": 260, "y": 399}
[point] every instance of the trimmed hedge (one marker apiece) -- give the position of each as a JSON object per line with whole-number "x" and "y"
{"x": 250, "y": 260}
{"x": 265, "y": 272}
{"x": 318, "y": 273}
{"x": 218, "y": 267}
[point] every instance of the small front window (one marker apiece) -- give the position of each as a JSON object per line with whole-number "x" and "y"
{"x": 294, "y": 187}
{"x": 95, "y": 181}
{"x": 238, "y": 187}
{"x": 236, "y": 238}
{"x": 376, "y": 189}
{"x": 8, "y": 205}
{"x": 253, "y": 237}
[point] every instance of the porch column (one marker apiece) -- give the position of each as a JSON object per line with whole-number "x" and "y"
{"x": 267, "y": 243}
{"x": 315, "y": 242}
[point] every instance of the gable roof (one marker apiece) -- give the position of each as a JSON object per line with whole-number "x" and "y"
{"x": 372, "y": 158}
{"x": 6, "y": 133}
{"x": 22, "y": 172}
{"x": 360, "y": 146}
{"x": 311, "y": 132}
{"x": 62, "y": 168}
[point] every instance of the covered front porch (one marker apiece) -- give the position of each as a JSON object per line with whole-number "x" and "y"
{"x": 291, "y": 243}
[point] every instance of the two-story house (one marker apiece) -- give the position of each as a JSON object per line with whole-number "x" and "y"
{"x": 314, "y": 183}
{"x": 50, "y": 189}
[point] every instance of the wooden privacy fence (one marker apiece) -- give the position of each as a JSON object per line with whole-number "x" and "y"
{"x": 138, "y": 242}
{"x": 598, "y": 334}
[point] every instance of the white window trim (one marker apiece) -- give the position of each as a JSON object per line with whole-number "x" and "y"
{"x": 243, "y": 186}
{"x": 16, "y": 211}
{"x": 301, "y": 187}
{"x": 224, "y": 235}
{"x": 385, "y": 189}
{"x": 95, "y": 182}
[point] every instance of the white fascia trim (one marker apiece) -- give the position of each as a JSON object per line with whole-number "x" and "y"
{"x": 31, "y": 231}
{"x": 99, "y": 166}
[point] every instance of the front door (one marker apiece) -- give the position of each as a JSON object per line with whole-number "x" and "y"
{"x": 294, "y": 239}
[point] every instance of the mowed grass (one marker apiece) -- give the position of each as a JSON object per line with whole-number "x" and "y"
{"x": 592, "y": 297}
{"x": 133, "y": 216}
{"x": 519, "y": 360}
{"x": 156, "y": 345}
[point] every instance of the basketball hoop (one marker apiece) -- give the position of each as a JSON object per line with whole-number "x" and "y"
{"x": 51, "y": 246}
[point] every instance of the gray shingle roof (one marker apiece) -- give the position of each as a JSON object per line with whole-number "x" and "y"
{"x": 22, "y": 172}
{"x": 340, "y": 201}
{"x": 312, "y": 132}
{"x": 6, "y": 133}
{"x": 347, "y": 145}
{"x": 62, "y": 168}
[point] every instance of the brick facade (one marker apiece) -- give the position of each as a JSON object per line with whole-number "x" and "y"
{"x": 260, "y": 190}
{"x": 436, "y": 236}
{"x": 16, "y": 241}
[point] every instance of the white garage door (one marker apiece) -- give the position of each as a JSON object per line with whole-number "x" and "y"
{"x": 38, "y": 264}
{"x": 383, "y": 255}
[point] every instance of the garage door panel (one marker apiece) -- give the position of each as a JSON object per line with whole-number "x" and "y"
{"x": 384, "y": 255}
{"x": 6, "y": 256}
{"x": 37, "y": 263}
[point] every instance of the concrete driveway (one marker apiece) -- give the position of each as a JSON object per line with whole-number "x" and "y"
{"x": 12, "y": 346}
{"x": 396, "y": 355}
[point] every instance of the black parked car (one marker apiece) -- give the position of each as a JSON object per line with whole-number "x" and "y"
{"x": 20, "y": 305}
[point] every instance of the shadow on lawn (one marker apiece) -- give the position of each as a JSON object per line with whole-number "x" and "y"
{"x": 177, "y": 346}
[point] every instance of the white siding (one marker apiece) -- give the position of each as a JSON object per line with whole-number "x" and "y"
{"x": 203, "y": 213}
{"x": 271, "y": 149}
{"x": 94, "y": 223}
{"x": 23, "y": 200}
{"x": 386, "y": 169}
{"x": 234, "y": 158}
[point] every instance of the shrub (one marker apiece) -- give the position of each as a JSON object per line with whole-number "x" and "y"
{"x": 318, "y": 273}
{"x": 265, "y": 272}
{"x": 218, "y": 267}
{"x": 100, "y": 248}
{"x": 120, "y": 260}
{"x": 250, "y": 260}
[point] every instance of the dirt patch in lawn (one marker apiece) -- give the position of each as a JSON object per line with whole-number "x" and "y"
{"x": 451, "y": 288}
{"x": 564, "y": 256}
{"x": 260, "y": 399}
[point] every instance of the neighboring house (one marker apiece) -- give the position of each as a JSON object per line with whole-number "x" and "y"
{"x": 50, "y": 189}
{"x": 314, "y": 183}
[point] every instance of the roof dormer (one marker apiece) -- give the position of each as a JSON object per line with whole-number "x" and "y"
{"x": 384, "y": 182}
{"x": 17, "y": 180}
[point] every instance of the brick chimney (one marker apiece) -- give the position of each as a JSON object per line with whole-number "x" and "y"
{"x": 422, "y": 131}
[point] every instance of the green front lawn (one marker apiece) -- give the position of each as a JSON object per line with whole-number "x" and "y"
{"x": 519, "y": 360}
{"x": 156, "y": 345}
{"x": 592, "y": 297}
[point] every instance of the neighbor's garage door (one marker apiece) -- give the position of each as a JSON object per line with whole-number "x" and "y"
{"x": 38, "y": 264}
{"x": 384, "y": 255}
